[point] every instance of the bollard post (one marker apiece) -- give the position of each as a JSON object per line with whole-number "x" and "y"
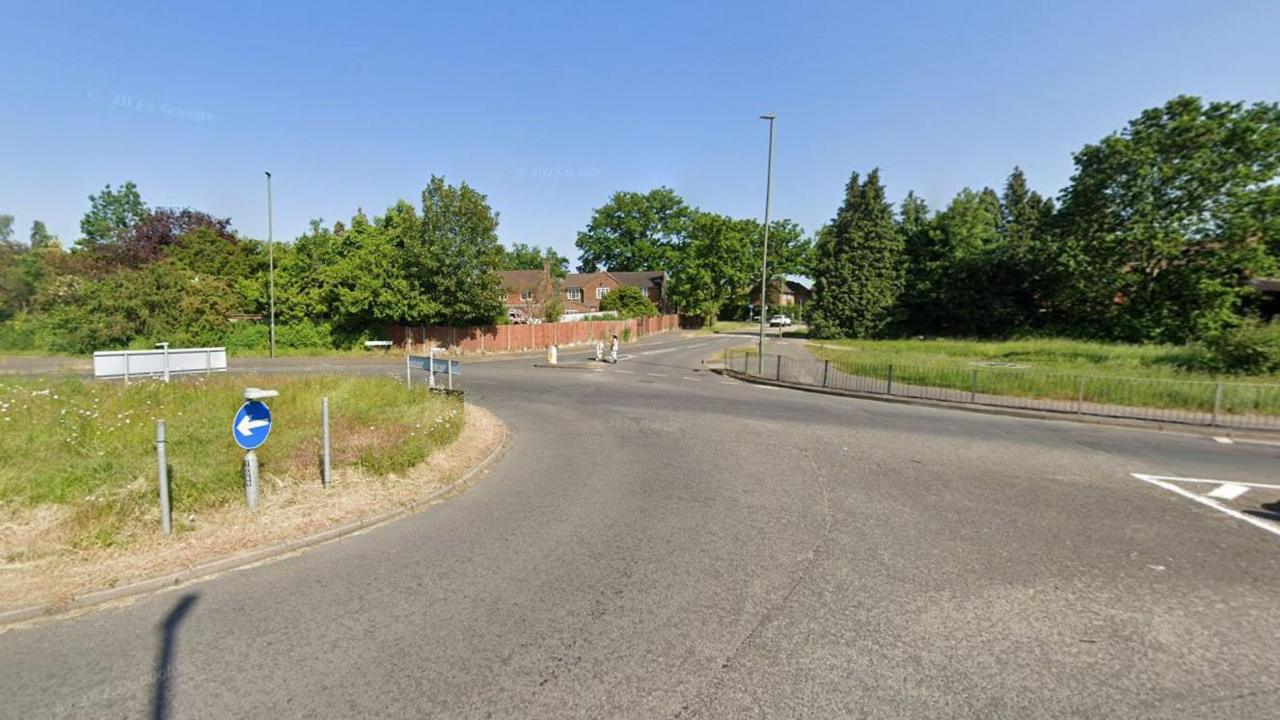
{"x": 162, "y": 463}
{"x": 450, "y": 374}
{"x": 826, "y": 370}
{"x": 1217, "y": 403}
{"x": 324, "y": 422}
{"x": 889, "y": 386}
{"x": 431, "y": 367}
{"x": 973, "y": 386}
{"x": 251, "y": 479}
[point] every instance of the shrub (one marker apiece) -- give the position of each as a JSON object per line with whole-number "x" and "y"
{"x": 629, "y": 302}
{"x": 1251, "y": 348}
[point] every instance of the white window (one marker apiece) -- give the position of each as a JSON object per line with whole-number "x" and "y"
{"x": 601, "y": 292}
{"x": 526, "y": 296}
{"x": 573, "y": 294}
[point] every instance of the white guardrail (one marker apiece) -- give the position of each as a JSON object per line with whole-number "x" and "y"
{"x": 129, "y": 364}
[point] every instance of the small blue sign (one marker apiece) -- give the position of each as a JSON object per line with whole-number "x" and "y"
{"x": 438, "y": 365}
{"x": 252, "y": 425}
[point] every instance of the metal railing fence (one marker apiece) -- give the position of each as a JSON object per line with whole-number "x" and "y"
{"x": 1193, "y": 402}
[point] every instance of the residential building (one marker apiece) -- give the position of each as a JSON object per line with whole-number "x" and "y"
{"x": 527, "y": 291}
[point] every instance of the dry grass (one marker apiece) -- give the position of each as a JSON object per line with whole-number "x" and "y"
{"x": 43, "y": 566}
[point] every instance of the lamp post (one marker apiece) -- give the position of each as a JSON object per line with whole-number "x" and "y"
{"x": 764, "y": 256}
{"x": 271, "y": 270}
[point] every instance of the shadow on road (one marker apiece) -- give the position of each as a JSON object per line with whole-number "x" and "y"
{"x": 164, "y": 656}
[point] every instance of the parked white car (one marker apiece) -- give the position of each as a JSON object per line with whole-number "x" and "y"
{"x": 780, "y": 321}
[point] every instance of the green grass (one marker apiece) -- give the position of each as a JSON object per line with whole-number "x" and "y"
{"x": 1154, "y": 376}
{"x": 90, "y": 445}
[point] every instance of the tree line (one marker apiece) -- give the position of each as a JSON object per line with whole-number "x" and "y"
{"x": 1155, "y": 239}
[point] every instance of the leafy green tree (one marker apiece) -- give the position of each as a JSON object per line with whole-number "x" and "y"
{"x": 41, "y": 238}
{"x": 635, "y": 231}
{"x": 6, "y": 228}
{"x": 531, "y": 257}
{"x": 629, "y": 302}
{"x": 112, "y": 213}
{"x": 554, "y": 309}
{"x": 715, "y": 265}
{"x": 859, "y": 266}
{"x": 1163, "y": 222}
{"x": 454, "y": 258}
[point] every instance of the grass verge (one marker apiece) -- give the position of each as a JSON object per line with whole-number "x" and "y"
{"x": 84, "y": 451}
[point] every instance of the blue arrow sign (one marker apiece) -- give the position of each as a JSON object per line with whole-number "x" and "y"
{"x": 252, "y": 425}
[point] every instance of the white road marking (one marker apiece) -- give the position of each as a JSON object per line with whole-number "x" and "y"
{"x": 686, "y": 377}
{"x": 728, "y": 382}
{"x": 1223, "y": 440}
{"x": 626, "y": 372}
{"x": 1228, "y": 491}
{"x": 1204, "y": 481}
{"x": 655, "y": 375}
{"x": 1260, "y": 524}
{"x": 659, "y": 352}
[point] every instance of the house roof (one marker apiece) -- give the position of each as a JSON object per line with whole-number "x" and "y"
{"x": 513, "y": 280}
{"x": 794, "y": 286}
{"x": 642, "y": 278}
{"x": 576, "y": 279}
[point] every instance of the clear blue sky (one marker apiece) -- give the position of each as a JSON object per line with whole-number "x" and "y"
{"x": 549, "y": 108}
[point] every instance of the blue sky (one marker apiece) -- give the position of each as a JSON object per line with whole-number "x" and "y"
{"x": 548, "y": 108}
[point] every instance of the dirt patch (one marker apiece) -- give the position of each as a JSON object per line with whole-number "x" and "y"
{"x": 287, "y": 511}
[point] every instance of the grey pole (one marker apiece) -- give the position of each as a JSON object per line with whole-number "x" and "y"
{"x": 166, "y": 519}
{"x": 251, "y": 479}
{"x": 764, "y": 256}
{"x": 324, "y": 418}
{"x": 271, "y": 268}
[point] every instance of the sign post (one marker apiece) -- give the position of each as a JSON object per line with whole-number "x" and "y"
{"x": 250, "y": 429}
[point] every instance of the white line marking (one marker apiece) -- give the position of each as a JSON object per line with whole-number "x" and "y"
{"x": 1228, "y": 491}
{"x": 1261, "y": 524}
{"x": 1175, "y": 478}
{"x": 728, "y": 382}
{"x": 626, "y": 372}
{"x": 655, "y": 374}
{"x": 659, "y": 352}
{"x": 1224, "y": 440}
{"x": 694, "y": 346}
{"x": 686, "y": 377}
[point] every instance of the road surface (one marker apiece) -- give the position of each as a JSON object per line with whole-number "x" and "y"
{"x": 663, "y": 542}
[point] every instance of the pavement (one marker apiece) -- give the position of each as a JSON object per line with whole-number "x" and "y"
{"x": 660, "y": 541}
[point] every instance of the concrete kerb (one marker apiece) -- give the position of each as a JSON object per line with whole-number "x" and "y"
{"x": 214, "y": 567}
{"x": 1133, "y": 423}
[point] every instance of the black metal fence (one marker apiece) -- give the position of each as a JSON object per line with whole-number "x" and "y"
{"x": 1192, "y": 402}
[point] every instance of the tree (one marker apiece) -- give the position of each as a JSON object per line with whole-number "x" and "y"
{"x": 635, "y": 231}
{"x": 111, "y": 214}
{"x": 6, "y": 228}
{"x": 41, "y": 238}
{"x": 859, "y": 264}
{"x": 148, "y": 238}
{"x": 454, "y": 257}
{"x": 530, "y": 257}
{"x": 715, "y": 265}
{"x": 629, "y": 302}
{"x": 1163, "y": 222}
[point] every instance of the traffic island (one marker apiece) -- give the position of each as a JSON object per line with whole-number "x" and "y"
{"x": 81, "y": 516}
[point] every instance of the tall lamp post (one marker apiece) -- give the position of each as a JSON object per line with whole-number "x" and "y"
{"x": 764, "y": 256}
{"x": 271, "y": 270}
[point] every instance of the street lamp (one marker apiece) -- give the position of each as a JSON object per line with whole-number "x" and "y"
{"x": 764, "y": 256}
{"x": 271, "y": 270}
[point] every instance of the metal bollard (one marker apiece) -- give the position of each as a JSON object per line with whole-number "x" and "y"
{"x": 324, "y": 420}
{"x": 251, "y": 479}
{"x": 166, "y": 517}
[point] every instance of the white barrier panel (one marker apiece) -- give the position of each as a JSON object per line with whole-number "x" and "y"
{"x": 151, "y": 363}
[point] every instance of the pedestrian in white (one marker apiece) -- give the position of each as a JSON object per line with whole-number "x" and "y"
{"x": 613, "y": 350}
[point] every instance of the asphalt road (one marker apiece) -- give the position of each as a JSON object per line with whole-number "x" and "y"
{"x": 661, "y": 542}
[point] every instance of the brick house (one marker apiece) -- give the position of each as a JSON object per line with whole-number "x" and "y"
{"x": 584, "y": 291}
{"x": 527, "y": 291}
{"x": 650, "y": 282}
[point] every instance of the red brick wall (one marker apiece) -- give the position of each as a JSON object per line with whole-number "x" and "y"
{"x": 516, "y": 338}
